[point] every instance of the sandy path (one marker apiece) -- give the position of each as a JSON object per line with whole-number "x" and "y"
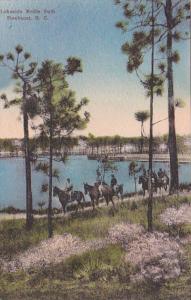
{"x": 6, "y": 216}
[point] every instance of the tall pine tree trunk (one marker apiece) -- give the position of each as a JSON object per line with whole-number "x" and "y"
{"x": 150, "y": 200}
{"x": 29, "y": 208}
{"x": 50, "y": 230}
{"x": 142, "y": 138}
{"x": 174, "y": 181}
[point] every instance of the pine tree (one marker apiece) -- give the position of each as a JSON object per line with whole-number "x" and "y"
{"x": 142, "y": 116}
{"x": 59, "y": 112}
{"x": 23, "y": 71}
{"x": 171, "y": 25}
{"x": 148, "y": 24}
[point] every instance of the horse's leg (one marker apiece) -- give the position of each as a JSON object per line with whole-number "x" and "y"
{"x": 118, "y": 197}
{"x": 107, "y": 199}
{"x": 97, "y": 200}
{"x": 82, "y": 204}
{"x": 64, "y": 208}
{"x": 77, "y": 206}
{"x": 81, "y": 201}
{"x": 93, "y": 204}
{"x": 111, "y": 199}
{"x": 121, "y": 196}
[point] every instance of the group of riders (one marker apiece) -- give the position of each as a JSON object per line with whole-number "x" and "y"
{"x": 161, "y": 176}
{"x": 159, "y": 180}
{"x": 101, "y": 189}
{"x": 68, "y": 188}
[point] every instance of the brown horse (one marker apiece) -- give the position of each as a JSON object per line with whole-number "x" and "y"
{"x": 64, "y": 198}
{"x": 94, "y": 193}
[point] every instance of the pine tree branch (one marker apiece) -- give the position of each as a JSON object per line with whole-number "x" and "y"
{"x": 160, "y": 121}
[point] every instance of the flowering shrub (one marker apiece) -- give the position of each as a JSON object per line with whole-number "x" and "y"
{"x": 173, "y": 216}
{"x": 53, "y": 251}
{"x": 156, "y": 256}
{"x": 124, "y": 233}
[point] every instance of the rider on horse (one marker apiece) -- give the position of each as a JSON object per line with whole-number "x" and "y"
{"x": 113, "y": 183}
{"x": 69, "y": 188}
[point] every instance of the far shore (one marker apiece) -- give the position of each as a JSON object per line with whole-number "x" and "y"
{"x": 144, "y": 157}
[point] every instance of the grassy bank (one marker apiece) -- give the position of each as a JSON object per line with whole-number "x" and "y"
{"x": 97, "y": 274}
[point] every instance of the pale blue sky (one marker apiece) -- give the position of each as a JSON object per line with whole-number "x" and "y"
{"x": 86, "y": 28}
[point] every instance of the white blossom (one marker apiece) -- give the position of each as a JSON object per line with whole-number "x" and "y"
{"x": 173, "y": 216}
{"x": 52, "y": 251}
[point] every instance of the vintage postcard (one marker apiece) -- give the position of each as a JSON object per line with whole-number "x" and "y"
{"x": 95, "y": 150}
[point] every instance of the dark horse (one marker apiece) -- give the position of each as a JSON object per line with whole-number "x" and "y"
{"x": 145, "y": 184}
{"x": 94, "y": 193}
{"x": 64, "y": 198}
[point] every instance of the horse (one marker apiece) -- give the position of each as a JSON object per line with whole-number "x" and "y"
{"x": 162, "y": 182}
{"x": 157, "y": 183}
{"x": 118, "y": 191}
{"x": 94, "y": 193}
{"x": 64, "y": 198}
{"x": 145, "y": 183}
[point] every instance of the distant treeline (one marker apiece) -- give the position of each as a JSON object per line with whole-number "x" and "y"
{"x": 96, "y": 144}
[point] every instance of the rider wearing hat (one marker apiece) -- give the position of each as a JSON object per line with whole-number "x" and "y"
{"x": 113, "y": 183}
{"x": 69, "y": 188}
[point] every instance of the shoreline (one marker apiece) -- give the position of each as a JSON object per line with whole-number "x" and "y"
{"x": 158, "y": 157}
{"x": 22, "y": 215}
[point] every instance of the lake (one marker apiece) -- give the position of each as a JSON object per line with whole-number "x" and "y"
{"x": 78, "y": 168}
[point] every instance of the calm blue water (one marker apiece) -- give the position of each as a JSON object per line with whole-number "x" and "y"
{"x": 78, "y": 168}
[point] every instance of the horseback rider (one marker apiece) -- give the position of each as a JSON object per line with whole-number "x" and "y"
{"x": 113, "y": 183}
{"x": 69, "y": 188}
{"x": 99, "y": 185}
